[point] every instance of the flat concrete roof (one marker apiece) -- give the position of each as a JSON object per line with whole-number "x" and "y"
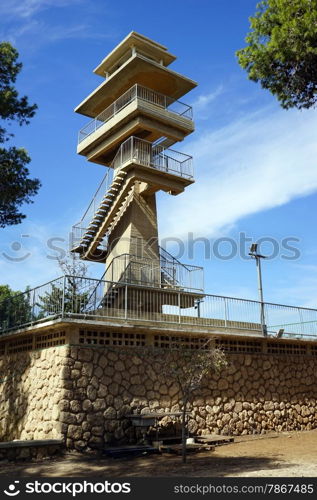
{"x": 140, "y": 42}
{"x": 137, "y": 69}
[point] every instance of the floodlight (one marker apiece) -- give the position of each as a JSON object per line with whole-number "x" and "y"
{"x": 254, "y": 247}
{"x": 280, "y": 333}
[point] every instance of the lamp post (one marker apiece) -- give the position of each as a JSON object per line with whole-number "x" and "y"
{"x": 197, "y": 306}
{"x": 255, "y": 255}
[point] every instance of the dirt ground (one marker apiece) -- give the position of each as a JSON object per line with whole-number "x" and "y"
{"x": 272, "y": 455}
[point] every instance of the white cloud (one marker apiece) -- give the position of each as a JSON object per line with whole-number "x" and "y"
{"x": 256, "y": 163}
{"x": 202, "y": 104}
{"x": 38, "y": 30}
{"x": 23, "y": 21}
{"x": 28, "y": 8}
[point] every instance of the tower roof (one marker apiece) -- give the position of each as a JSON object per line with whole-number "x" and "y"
{"x": 149, "y": 47}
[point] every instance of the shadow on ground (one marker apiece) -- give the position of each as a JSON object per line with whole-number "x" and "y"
{"x": 206, "y": 464}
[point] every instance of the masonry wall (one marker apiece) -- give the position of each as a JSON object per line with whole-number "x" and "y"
{"x": 257, "y": 393}
{"x": 31, "y": 389}
{"x": 85, "y": 392}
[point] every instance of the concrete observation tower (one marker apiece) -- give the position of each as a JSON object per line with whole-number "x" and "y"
{"x": 135, "y": 119}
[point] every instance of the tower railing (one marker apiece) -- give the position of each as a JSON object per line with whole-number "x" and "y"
{"x": 181, "y": 275}
{"x": 135, "y": 150}
{"x": 141, "y": 152}
{"x": 161, "y": 273}
{"x": 136, "y": 92}
{"x": 87, "y": 298}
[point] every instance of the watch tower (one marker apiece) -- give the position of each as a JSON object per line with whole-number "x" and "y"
{"x": 136, "y": 118}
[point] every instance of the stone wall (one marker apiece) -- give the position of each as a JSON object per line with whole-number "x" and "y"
{"x": 31, "y": 388}
{"x": 84, "y": 394}
{"x": 255, "y": 394}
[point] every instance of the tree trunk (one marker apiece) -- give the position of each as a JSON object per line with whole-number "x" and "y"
{"x": 184, "y": 431}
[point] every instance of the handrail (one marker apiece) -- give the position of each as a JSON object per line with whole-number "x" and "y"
{"x": 77, "y": 296}
{"x": 135, "y": 92}
{"x": 106, "y": 180}
{"x": 147, "y": 154}
{"x": 163, "y": 250}
{"x": 150, "y": 155}
{"x": 66, "y": 276}
{"x": 147, "y": 263}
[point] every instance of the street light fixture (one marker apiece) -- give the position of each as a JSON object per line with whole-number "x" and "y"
{"x": 257, "y": 256}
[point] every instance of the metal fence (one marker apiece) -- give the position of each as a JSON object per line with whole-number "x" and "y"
{"x": 159, "y": 272}
{"x": 79, "y": 230}
{"x": 80, "y": 297}
{"x": 135, "y": 150}
{"x": 136, "y": 92}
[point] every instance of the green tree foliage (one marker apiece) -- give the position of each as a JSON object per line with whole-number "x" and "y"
{"x": 72, "y": 294}
{"x": 282, "y": 51}
{"x": 16, "y": 187}
{"x": 66, "y": 295}
{"x": 15, "y": 308}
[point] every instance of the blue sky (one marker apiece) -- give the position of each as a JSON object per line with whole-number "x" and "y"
{"x": 255, "y": 164}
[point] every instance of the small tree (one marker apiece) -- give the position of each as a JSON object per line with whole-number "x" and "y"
{"x": 281, "y": 51}
{"x": 72, "y": 294}
{"x": 73, "y": 266}
{"x": 188, "y": 368}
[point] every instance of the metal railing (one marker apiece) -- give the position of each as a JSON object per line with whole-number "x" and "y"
{"x": 79, "y": 229}
{"x": 136, "y": 92}
{"x": 178, "y": 274}
{"x": 135, "y": 150}
{"x": 160, "y": 273}
{"x": 80, "y": 297}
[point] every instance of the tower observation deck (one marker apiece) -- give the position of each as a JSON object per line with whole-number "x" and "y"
{"x": 136, "y": 118}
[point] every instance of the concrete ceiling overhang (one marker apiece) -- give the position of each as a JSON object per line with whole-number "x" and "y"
{"x": 137, "y": 69}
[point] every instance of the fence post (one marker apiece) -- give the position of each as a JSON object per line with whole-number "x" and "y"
{"x": 226, "y": 313}
{"x": 33, "y": 307}
{"x": 179, "y": 308}
{"x": 63, "y": 297}
{"x": 300, "y": 313}
{"x": 95, "y": 295}
{"x": 126, "y": 302}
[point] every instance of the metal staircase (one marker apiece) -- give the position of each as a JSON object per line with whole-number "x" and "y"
{"x": 90, "y": 233}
